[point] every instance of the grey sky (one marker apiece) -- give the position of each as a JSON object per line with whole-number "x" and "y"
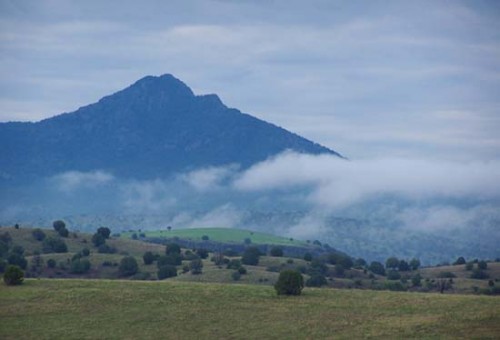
{"x": 370, "y": 79}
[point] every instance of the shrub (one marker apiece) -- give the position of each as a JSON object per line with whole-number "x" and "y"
{"x": 173, "y": 248}
{"x": 234, "y": 264}
{"x": 98, "y": 239}
{"x": 236, "y": 276}
{"x": 196, "y": 266}
{"x": 85, "y": 252}
{"x": 316, "y": 280}
{"x": 377, "y": 268}
{"x": 416, "y": 280}
{"x": 13, "y": 276}
{"x": 106, "y": 249}
{"x": 173, "y": 260}
{"x": 395, "y": 286}
{"x": 290, "y": 282}
{"x": 308, "y": 257}
{"x": 51, "y": 263}
{"x": 469, "y": 266}
{"x": 38, "y": 234}
{"x": 251, "y": 256}
{"x": 128, "y": 266}
{"x": 16, "y": 259}
{"x": 203, "y": 253}
{"x": 414, "y": 263}
{"x": 148, "y": 258}
{"x": 80, "y": 266}
{"x": 482, "y": 265}
{"x": 460, "y": 260}
{"x": 166, "y": 271}
{"x": 54, "y": 245}
{"x": 105, "y": 232}
{"x": 58, "y": 225}
{"x": 479, "y": 274}
{"x": 446, "y": 275}
{"x": 3, "y": 265}
{"x": 276, "y": 252}
{"x": 205, "y": 238}
{"x": 242, "y": 270}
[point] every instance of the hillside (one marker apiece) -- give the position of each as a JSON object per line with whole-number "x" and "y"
{"x": 76, "y": 309}
{"x": 153, "y": 128}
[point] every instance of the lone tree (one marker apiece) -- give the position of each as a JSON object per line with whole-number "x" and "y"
{"x": 148, "y": 257}
{"x": 60, "y": 227}
{"x": 13, "y": 276}
{"x": 173, "y": 248}
{"x": 290, "y": 282}
{"x": 105, "y": 232}
{"x": 128, "y": 266}
{"x": 251, "y": 256}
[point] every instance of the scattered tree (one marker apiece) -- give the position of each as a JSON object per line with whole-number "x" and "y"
{"x": 460, "y": 260}
{"x": 38, "y": 234}
{"x": 80, "y": 266}
{"x": 98, "y": 239}
{"x": 251, "y": 256}
{"x": 403, "y": 266}
{"x": 148, "y": 258}
{"x": 290, "y": 282}
{"x": 196, "y": 266}
{"x": 13, "y": 275}
{"x": 202, "y": 253}
{"x": 128, "y": 266}
{"x": 166, "y": 271}
{"x": 16, "y": 259}
{"x": 205, "y": 238}
{"x": 393, "y": 275}
{"x": 104, "y": 231}
{"x": 416, "y": 280}
{"x": 51, "y": 263}
{"x": 173, "y": 248}
{"x": 85, "y": 252}
{"x": 276, "y": 251}
{"x": 377, "y": 268}
{"x": 414, "y": 263}
{"x": 392, "y": 263}
{"x": 482, "y": 265}
{"x": 316, "y": 280}
{"x": 308, "y": 257}
{"x": 172, "y": 259}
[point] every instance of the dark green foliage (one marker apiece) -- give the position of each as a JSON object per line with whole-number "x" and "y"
{"x": 403, "y": 266}
{"x": 17, "y": 249}
{"x": 98, "y": 239}
{"x": 166, "y": 271}
{"x": 4, "y": 248}
{"x": 3, "y": 265}
{"x": 392, "y": 263}
{"x": 202, "y": 253}
{"x": 318, "y": 266}
{"x": 479, "y": 274}
{"x": 251, "y": 256}
{"x": 317, "y": 243}
{"x": 148, "y": 258}
{"x": 63, "y": 232}
{"x": 173, "y": 248}
{"x": 234, "y": 264}
{"x": 339, "y": 270}
{"x": 276, "y": 251}
{"x": 38, "y": 234}
{"x": 393, "y": 275}
{"x": 377, "y": 268}
{"x": 80, "y": 266}
{"x": 134, "y": 236}
{"x": 316, "y": 280}
{"x": 290, "y": 282}
{"x": 469, "y": 266}
{"x": 247, "y": 241}
{"x": 460, "y": 260}
{"x": 58, "y": 225}
{"x": 416, "y": 280}
{"x": 106, "y": 249}
{"x": 6, "y": 238}
{"x": 308, "y": 257}
{"x": 242, "y": 270}
{"x": 205, "y": 238}
{"x": 414, "y": 264}
{"x": 85, "y": 252}
{"x": 128, "y": 266}
{"x": 196, "y": 266}
{"x": 104, "y": 231}
{"x": 230, "y": 252}
{"x": 172, "y": 259}
{"x": 482, "y": 265}
{"x": 16, "y": 259}
{"x": 13, "y": 275}
{"x": 54, "y": 245}
{"x": 16, "y": 226}
{"x": 360, "y": 263}
{"x": 51, "y": 263}
{"x": 394, "y": 286}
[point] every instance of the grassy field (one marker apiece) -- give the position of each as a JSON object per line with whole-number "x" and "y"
{"x": 88, "y": 309}
{"x": 225, "y": 235}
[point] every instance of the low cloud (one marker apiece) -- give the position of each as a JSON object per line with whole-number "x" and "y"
{"x": 207, "y": 179}
{"x": 72, "y": 180}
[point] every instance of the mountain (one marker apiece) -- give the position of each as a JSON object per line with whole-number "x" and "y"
{"x": 153, "y": 128}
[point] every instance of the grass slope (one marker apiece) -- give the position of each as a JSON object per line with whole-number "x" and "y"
{"x": 84, "y": 309}
{"x": 225, "y": 235}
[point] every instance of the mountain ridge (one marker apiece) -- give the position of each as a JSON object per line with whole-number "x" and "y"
{"x": 155, "y": 127}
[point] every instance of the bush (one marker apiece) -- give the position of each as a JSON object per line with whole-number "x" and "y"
{"x": 416, "y": 280}
{"x": 377, "y": 268}
{"x": 276, "y": 252}
{"x": 202, "y": 253}
{"x": 482, "y": 265}
{"x": 173, "y": 260}
{"x": 446, "y": 275}
{"x": 105, "y": 232}
{"x": 290, "y": 282}
{"x": 51, "y": 263}
{"x": 13, "y": 276}
{"x": 85, "y": 252}
{"x": 236, "y": 276}
{"x": 16, "y": 259}
{"x": 173, "y": 248}
{"x": 106, "y": 249}
{"x": 479, "y": 274}
{"x": 205, "y": 238}
{"x": 166, "y": 271}
{"x": 80, "y": 266}
{"x": 196, "y": 266}
{"x": 234, "y": 264}
{"x": 38, "y": 234}
{"x": 460, "y": 260}
{"x": 98, "y": 239}
{"x": 251, "y": 256}
{"x": 128, "y": 266}
{"x": 316, "y": 280}
{"x": 308, "y": 257}
{"x": 58, "y": 225}
{"x": 242, "y": 270}
{"x": 148, "y": 258}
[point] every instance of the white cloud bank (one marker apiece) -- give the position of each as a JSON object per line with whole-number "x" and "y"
{"x": 337, "y": 183}
{"x": 72, "y": 180}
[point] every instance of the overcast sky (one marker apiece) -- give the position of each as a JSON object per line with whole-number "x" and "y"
{"x": 369, "y": 79}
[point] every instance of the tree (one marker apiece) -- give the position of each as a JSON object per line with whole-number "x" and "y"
{"x": 479, "y": 274}
{"x": 80, "y": 266}
{"x": 58, "y": 225}
{"x": 166, "y": 271}
{"x": 392, "y": 263}
{"x": 276, "y": 251}
{"x": 393, "y": 275}
{"x": 63, "y": 232}
{"x": 482, "y": 265}
{"x": 460, "y": 260}
{"x": 359, "y": 263}
{"x": 196, "y": 266}
{"x": 403, "y": 266}
{"x": 251, "y": 256}
{"x": 202, "y": 253}
{"x": 38, "y": 234}
{"x": 16, "y": 259}
{"x": 104, "y": 231}
{"x": 469, "y": 266}
{"x": 172, "y": 259}
{"x": 414, "y": 263}
{"x": 51, "y": 263}
{"x": 128, "y": 266}
{"x": 85, "y": 252}
{"x": 416, "y": 280}
{"x": 13, "y": 275}
{"x": 290, "y": 282}
{"x": 172, "y": 248}
{"x": 205, "y": 238}
{"x": 308, "y": 257}
{"x": 377, "y": 268}
{"x": 148, "y": 258}
{"x": 98, "y": 239}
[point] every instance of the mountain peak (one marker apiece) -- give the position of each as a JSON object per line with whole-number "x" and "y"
{"x": 164, "y": 85}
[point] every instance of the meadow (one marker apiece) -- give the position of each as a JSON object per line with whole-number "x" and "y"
{"x": 115, "y": 309}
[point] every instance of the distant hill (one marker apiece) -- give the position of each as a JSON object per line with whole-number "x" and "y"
{"x": 153, "y": 128}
